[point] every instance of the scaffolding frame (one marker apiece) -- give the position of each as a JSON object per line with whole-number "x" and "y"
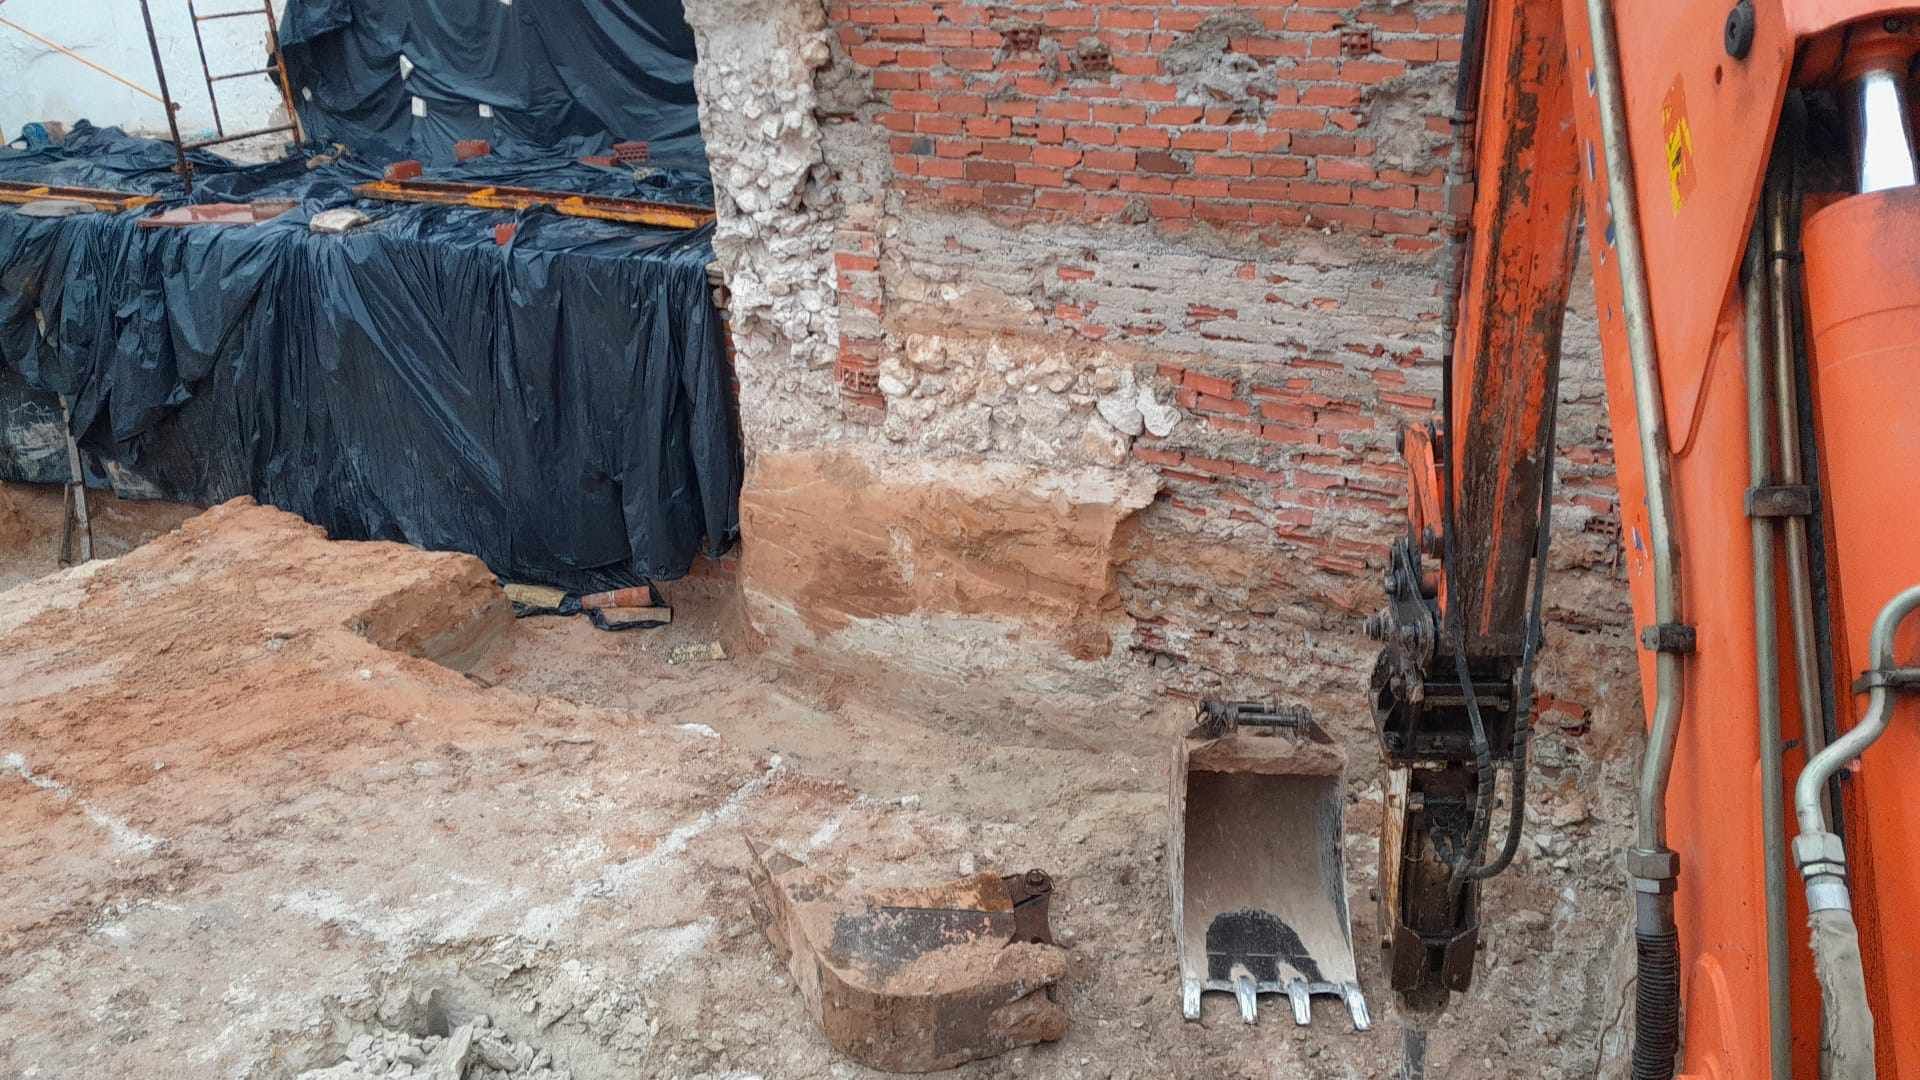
{"x": 277, "y": 66}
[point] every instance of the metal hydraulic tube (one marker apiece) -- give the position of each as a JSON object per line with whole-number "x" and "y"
{"x": 1651, "y": 865}
{"x": 1847, "y": 1038}
{"x": 1848, "y": 747}
{"x": 1786, "y": 406}
{"x": 1766, "y": 651}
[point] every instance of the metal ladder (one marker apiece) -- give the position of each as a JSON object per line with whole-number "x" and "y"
{"x": 276, "y": 66}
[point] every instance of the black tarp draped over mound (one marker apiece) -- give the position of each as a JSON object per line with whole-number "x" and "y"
{"x": 559, "y": 406}
{"x": 572, "y": 74}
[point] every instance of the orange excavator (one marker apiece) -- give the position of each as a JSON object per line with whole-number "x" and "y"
{"x": 1746, "y": 173}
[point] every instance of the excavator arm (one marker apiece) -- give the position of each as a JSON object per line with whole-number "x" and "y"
{"x": 1450, "y": 689}
{"x": 1746, "y": 172}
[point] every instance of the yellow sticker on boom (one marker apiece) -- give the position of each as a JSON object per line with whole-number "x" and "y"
{"x": 1677, "y": 139}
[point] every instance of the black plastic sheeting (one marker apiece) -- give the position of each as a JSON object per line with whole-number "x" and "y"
{"x": 555, "y": 74}
{"x": 559, "y": 406}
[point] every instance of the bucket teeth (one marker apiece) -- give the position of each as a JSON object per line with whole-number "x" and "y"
{"x": 1257, "y": 864}
{"x": 1248, "y": 995}
{"x": 1357, "y": 1007}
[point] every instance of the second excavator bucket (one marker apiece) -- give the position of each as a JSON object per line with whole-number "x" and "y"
{"x": 1256, "y": 861}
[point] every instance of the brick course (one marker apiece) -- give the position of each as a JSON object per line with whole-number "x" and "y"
{"x": 1262, "y": 130}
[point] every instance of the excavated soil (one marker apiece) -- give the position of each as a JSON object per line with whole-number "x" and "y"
{"x": 273, "y": 805}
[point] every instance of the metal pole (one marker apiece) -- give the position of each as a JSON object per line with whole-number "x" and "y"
{"x": 1652, "y": 867}
{"x": 71, "y": 55}
{"x": 1650, "y": 412}
{"x": 166, "y": 97}
{"x": 1766, "y": 653}
{"x": 280, "y": 61}
{"x": 1786, "y": 404}
{"x": 200, "y": 43}
{"x": 77, "y": 528}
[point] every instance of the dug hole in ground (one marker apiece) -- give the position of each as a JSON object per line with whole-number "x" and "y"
{"x": 277, "y": 806}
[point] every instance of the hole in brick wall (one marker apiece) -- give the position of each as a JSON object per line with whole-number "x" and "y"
{"x": 1018, "y": 36}
{"x": 1356, "y": 40}
{"x": 859, "y": 379}
{"x": 1092, "y": 57}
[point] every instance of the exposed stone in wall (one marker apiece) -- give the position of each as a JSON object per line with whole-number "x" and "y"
{"x": 777, "y": 210}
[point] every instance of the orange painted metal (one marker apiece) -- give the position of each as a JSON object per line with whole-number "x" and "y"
{"x": 1700, "y": 127}
{"x": 1508, "y": 337}
{"x": 1863, "y": 298}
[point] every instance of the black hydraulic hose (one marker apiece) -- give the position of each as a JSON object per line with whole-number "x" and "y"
{"x": 1656, "y": 1003}
{"x": 1536, "y": 635}
{"x": 1462, "y": 870}
{"x": 1466, "y": 101}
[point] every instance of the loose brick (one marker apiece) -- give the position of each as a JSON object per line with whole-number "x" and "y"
{"x": 1160, "y": 161}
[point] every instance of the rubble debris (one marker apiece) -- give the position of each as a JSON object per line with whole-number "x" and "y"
{"x": 640, "y": 607}
{"x": 252, "y": 213}
{"x": 693, "y": 654}
{"x": 403, "y": 170}
{"x": 632, "y": 618}
{"x": 337, "y": 220}
{"x": 916, "y": 980}
{"x": 535, "y": 599}
{"x": 475, "y": 1050}
{"x": 53, "y": 208}
{"x": 468, "y": 149}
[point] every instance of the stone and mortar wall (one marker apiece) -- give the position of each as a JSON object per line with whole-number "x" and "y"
{"x": 1074, "y": 339}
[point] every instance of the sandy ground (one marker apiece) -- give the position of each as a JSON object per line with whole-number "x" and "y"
{"x": 262, "y": 794}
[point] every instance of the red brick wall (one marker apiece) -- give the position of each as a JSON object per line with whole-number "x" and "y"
{"x": 1239, "y": 202}
{"x": 1057, "y": 106}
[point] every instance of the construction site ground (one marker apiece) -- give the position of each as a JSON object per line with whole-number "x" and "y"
{"x": 271, "y": 803}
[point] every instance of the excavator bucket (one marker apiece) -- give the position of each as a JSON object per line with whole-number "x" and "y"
{"x": 1259, "y": 875}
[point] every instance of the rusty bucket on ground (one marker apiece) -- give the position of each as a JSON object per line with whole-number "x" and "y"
{"x": 1256, "y": 862}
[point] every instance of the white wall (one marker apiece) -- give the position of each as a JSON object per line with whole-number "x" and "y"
{"x": 37, "y": 83}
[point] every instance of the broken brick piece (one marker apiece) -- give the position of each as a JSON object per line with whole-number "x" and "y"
{"x": 404, "y": 170}
{"x": 631, "y": 151}
{"x": 503, "y": 232}
{"x": 468, "y": 149}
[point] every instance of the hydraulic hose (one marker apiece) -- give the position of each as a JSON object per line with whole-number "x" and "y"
{"x": 1847, "y": 1037}
{"x": 1651, "y": 865}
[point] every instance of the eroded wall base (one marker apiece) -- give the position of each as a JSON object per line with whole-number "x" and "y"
{"x": 951, "y": 568}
